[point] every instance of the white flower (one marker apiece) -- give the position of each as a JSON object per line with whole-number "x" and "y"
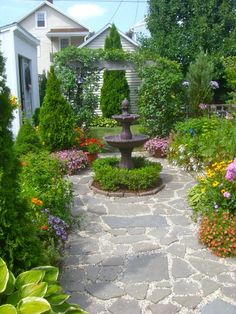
{"x": 194, "y": 167}
{"x": 1, "y": 78}
{"x": 181, "y": 148}
{"x": 192, "y": 160}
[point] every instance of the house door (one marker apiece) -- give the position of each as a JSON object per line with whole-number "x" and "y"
{"x": 25, "y": 86}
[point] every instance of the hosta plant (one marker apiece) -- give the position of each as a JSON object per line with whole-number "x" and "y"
{"x": 33, "y": 292}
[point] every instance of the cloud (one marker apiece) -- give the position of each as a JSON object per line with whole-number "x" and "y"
{"x": 85, "y": 11}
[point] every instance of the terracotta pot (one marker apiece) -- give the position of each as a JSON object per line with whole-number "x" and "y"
{"x": 159, "y": 154}
{"x": 91, "y": 157}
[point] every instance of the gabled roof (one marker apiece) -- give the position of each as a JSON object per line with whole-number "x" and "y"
{"x": 106, "y": 27}
{"x": 54, "y": 8}
{"x": 15, "y": 27}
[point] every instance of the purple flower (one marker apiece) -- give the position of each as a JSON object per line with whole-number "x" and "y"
{"x": 216, "y": 206}
{"x": 226, "y": 194}
{"x": 73, "y": 160}
{"x": 214, "y": 84}
{"x": 231, "y": 171}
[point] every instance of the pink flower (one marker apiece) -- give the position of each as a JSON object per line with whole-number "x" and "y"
{"x": 226, "y": 194}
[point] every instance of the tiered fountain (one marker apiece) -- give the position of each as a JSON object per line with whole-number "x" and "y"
{"x": 125, "y": 141}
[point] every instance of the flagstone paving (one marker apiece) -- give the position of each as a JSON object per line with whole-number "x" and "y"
{"x": 140, "y": 255}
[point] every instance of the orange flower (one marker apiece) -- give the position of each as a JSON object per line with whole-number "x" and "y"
{"x": 44, "y": 227}
{"x": 36, "y": 201}
{"x": 24, "y": 163}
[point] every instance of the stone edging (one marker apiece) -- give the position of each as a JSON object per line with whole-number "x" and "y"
{"x": 126, "y": 194}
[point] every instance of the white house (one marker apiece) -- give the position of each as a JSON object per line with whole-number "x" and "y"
{"x": 98, "y": 41}
{"x": 19, "y": 48}
{"x": 54, "y": 29}
{"x": 140, "y": 30}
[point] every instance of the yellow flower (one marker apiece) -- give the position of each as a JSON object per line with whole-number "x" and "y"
{"x": 203, "y": 190}
{"x": 215, "y": 183}
{"x": 222, "y": 191}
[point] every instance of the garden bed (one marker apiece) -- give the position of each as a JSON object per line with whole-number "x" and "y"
{"x": 143, "y": 179}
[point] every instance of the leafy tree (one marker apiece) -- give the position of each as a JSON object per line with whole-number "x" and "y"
{"x": 56, "y": 119}
{"x": 19, "y": 244}
{"x": 115, "y": 86}
{"x": 199, "y": 78}
{"x": 230, "y": 75}
{"x": 160, "y": 101}
{"x": 77, "y": 71}
{"x": 180, "y": 29}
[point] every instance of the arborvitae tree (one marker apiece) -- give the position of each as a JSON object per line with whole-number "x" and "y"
{"x": 200, "y": 90}
{"x": 56, "y": 119}
{"x": 180, "y": 29}
{"x": 115, "y": 86}
{"x": 42, "y": 87}
{"x": 27, "y": 140}
{"x": 19, "y": 245}
{"x": 112, "y": 41}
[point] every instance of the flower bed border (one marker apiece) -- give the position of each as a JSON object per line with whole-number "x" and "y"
{"x": 160, "y": 186}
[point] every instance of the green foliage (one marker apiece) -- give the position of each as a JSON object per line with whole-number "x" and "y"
{"x": 35, "y": 117}
{"x": 180, "y": 29}
{"x": 111, "y": 178}
{"x": 16, "y": 246}
{"x": 41, "y": 178}
{"x": 27, "y": 140}
{"x": 199, "y": 76}
{"x": 230, "y": 75}
{"x": 57, "y": 120}
{"x": 114, "y": 90}
{"x": 78, "y": 74}
{"x": 199, "y": 141}
{"x": 42, "y": 87}
{"x": 160, "y": 97}
{"x": 35, "y": 291}
{"x": 103, "y": 122}
{"x": 112, "y": 41}
{"x": 115, "y": 86}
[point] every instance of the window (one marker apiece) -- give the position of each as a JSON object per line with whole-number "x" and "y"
{"x": 64, "y": 42}
{"x": 40, "y": 19}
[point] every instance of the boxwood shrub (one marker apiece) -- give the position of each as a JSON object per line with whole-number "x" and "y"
{"x": 110, "y": 177}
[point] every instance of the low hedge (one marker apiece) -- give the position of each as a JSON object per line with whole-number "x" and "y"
{"x": 110, "y": 177}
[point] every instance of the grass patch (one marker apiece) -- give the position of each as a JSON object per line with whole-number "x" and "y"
{"x": 100, "y": 132}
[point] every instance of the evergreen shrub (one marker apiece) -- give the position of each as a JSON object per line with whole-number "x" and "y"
{"x": 19, "y": 243}
{"x": 27, "y": 140}
{"x": 144, "y": 176}
{"x": 115, "y": 86}
{"x": 57, "y": 120}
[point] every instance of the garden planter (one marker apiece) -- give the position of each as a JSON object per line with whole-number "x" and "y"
{"x": 91, "y": 157}
{"x": 159, "y": 154}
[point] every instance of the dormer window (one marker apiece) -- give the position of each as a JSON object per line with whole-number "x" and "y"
{"x": 40, "y": 19}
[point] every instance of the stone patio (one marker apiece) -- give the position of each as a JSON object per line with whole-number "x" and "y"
{"x": 140, "y": 255}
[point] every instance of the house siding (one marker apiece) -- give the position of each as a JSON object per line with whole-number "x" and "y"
{"x": 48, "y": 45}
{"x": 13, "y": 45}
{"x": 131, "y": 75}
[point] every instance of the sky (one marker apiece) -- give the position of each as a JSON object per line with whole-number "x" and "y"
{"x": 93, "y": 14}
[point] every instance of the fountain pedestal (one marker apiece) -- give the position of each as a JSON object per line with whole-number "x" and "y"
{"x": 126, "y": 142}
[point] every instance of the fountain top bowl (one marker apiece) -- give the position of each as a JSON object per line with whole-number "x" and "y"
{"x": 135, "y": 141}
{"x": 127, "y": 117}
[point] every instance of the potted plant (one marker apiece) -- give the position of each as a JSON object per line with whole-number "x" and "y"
{"x": 157, "y": 147}
{"x": 91, "y": 147}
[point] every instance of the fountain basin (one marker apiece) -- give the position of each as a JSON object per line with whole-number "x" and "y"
{"x": 125, "y": 117}
{"x": 135, "y": 141}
